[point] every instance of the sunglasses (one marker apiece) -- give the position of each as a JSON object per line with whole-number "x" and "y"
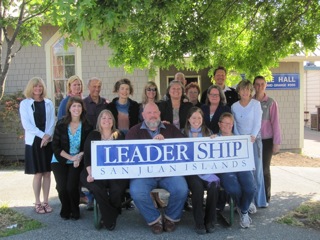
{"x": 151, "y": 89}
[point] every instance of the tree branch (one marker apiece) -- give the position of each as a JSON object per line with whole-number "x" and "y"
{"x": 251, "y": 20}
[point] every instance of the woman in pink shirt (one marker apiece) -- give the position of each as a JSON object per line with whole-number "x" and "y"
{"x": 270, "y": 129}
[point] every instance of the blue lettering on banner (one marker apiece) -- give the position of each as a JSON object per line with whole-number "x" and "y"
{"x": 284, "y": 81}
{"x": 170, "y": 157}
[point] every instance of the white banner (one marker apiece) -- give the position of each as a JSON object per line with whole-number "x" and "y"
{"x": 171, "y": 157}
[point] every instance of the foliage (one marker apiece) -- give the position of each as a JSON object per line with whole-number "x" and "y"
{"x": 9, "y": 114}
{"x": 306, "y": 215}
{"x": 20, "y": 22}
{"x": 12, "y": 222}
{"x": 246, "y": 36}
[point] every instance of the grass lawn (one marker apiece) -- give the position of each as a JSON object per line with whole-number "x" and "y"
{"x": 12, "y": 222}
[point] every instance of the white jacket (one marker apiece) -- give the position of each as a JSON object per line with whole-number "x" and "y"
{"x": 28, "y": 123}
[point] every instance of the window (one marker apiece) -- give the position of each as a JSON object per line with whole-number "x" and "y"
{"x": 63, "y": 67}
{"x": 193, "y": 78}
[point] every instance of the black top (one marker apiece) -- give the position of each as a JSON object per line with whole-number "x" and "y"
{"x": 231, "y": 96}
{"x": 213, "y": 123}
{"x": 133, "y": 111}
{"x": 166, "y": 110}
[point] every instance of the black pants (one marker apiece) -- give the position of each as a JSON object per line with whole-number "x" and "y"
{"x": 108, "y": 194}
{"x": 197, "y": 187}
{"x": 267, "y": 146}
{"x": 67, "y": 178}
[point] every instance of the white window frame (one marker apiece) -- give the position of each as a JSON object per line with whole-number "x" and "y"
{"x": 49, "y": 73}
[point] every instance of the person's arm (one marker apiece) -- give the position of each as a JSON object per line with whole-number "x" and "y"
{"x": 275, "y": 123}
{"x": 233, "y": 111}
{"x": 50, "y": 120}
{"x": 257, "y": 118}
{"x": 27, "y": 123}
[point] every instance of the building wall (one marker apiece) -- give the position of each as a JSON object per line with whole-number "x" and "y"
{"x": 312, "y": 93}
{"x": 289, "y": 102}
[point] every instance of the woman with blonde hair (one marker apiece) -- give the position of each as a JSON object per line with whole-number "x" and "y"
{"x": 74, "y": 89}
{"x": 247, "y": 121}
{"x": 108, "y": 193}
{"x": 37, "y": 117}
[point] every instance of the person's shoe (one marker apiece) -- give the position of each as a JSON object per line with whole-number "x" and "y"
{"x": 245, "y": 220}
{"x": 157, "y": 228}
{"x": 169, "y": 226}
{"x": 89, "y": 206}
{"x": 129, "y": 206}
{"x": 187, "y": 206}
{"x": 84, "y": 200}
{"x": 112, "y": 226}
{"x": 200, "y": 229}
{"x": 210, "y": 228}
{"x": 252, "y": 208}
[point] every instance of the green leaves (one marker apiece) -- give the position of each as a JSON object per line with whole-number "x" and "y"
{"x": 247, "y": 36}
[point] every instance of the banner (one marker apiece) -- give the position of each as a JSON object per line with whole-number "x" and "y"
{"x": 170, "y": 157}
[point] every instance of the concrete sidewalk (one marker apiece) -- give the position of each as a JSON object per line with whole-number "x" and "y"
{"x": 290, "y": 187}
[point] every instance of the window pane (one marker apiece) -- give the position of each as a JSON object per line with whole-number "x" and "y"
{"x": 69, "y": 71}
{"x": 69, "y": 59}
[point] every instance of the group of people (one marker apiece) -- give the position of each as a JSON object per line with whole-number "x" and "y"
{"x": 65, "y": 146}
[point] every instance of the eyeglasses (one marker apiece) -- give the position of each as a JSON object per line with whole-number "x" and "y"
{"x": 214, "y": 95}
{"x": 228, "y": 124}
{"x": 191, "y": 92}
{"x": 151, "y": 89}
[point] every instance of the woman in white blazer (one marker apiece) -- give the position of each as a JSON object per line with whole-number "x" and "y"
{"x": 38, "y": 119}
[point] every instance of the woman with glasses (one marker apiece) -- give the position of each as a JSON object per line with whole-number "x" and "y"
{"x": 150, "y": 94}
{"x": 216, "y": 104}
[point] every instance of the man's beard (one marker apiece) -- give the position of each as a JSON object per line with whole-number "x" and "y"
{"x": 153, "y": 124}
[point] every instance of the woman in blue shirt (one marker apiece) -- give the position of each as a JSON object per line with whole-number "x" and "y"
{"x": 68, "y": 143}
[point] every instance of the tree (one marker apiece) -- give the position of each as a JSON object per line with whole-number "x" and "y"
{"x": 19, "y": 26}
{"x": 247, "y": 36}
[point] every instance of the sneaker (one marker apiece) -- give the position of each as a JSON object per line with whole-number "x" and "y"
{"x": 252, "y": 208}
{"x": 245, "y": 220}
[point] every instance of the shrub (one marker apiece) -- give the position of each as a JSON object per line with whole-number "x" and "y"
{"x": 9, "y": 114}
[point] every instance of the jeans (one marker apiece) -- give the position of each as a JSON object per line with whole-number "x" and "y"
{"x": 260, "y": 197}
{"x": 141, "y": 188}
{"x": 240, "y": 186}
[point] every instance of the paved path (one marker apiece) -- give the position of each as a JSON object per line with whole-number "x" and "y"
{"x": 290, "y": 187}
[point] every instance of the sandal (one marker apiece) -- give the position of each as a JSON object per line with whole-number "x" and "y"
{"x": 47, "y": 208}
{"x": 39, "y": 208}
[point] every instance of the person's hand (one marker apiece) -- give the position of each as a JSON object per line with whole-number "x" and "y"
{"x": 159, "y": 137}
{"x": 276, "y": 148}
{"x": 213, "y": 135}
{"x": 45, "y": 139}
{"x": 165, "y": 122}
{"x": 253, "y": 139}
{"x": 90, "y": 178}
